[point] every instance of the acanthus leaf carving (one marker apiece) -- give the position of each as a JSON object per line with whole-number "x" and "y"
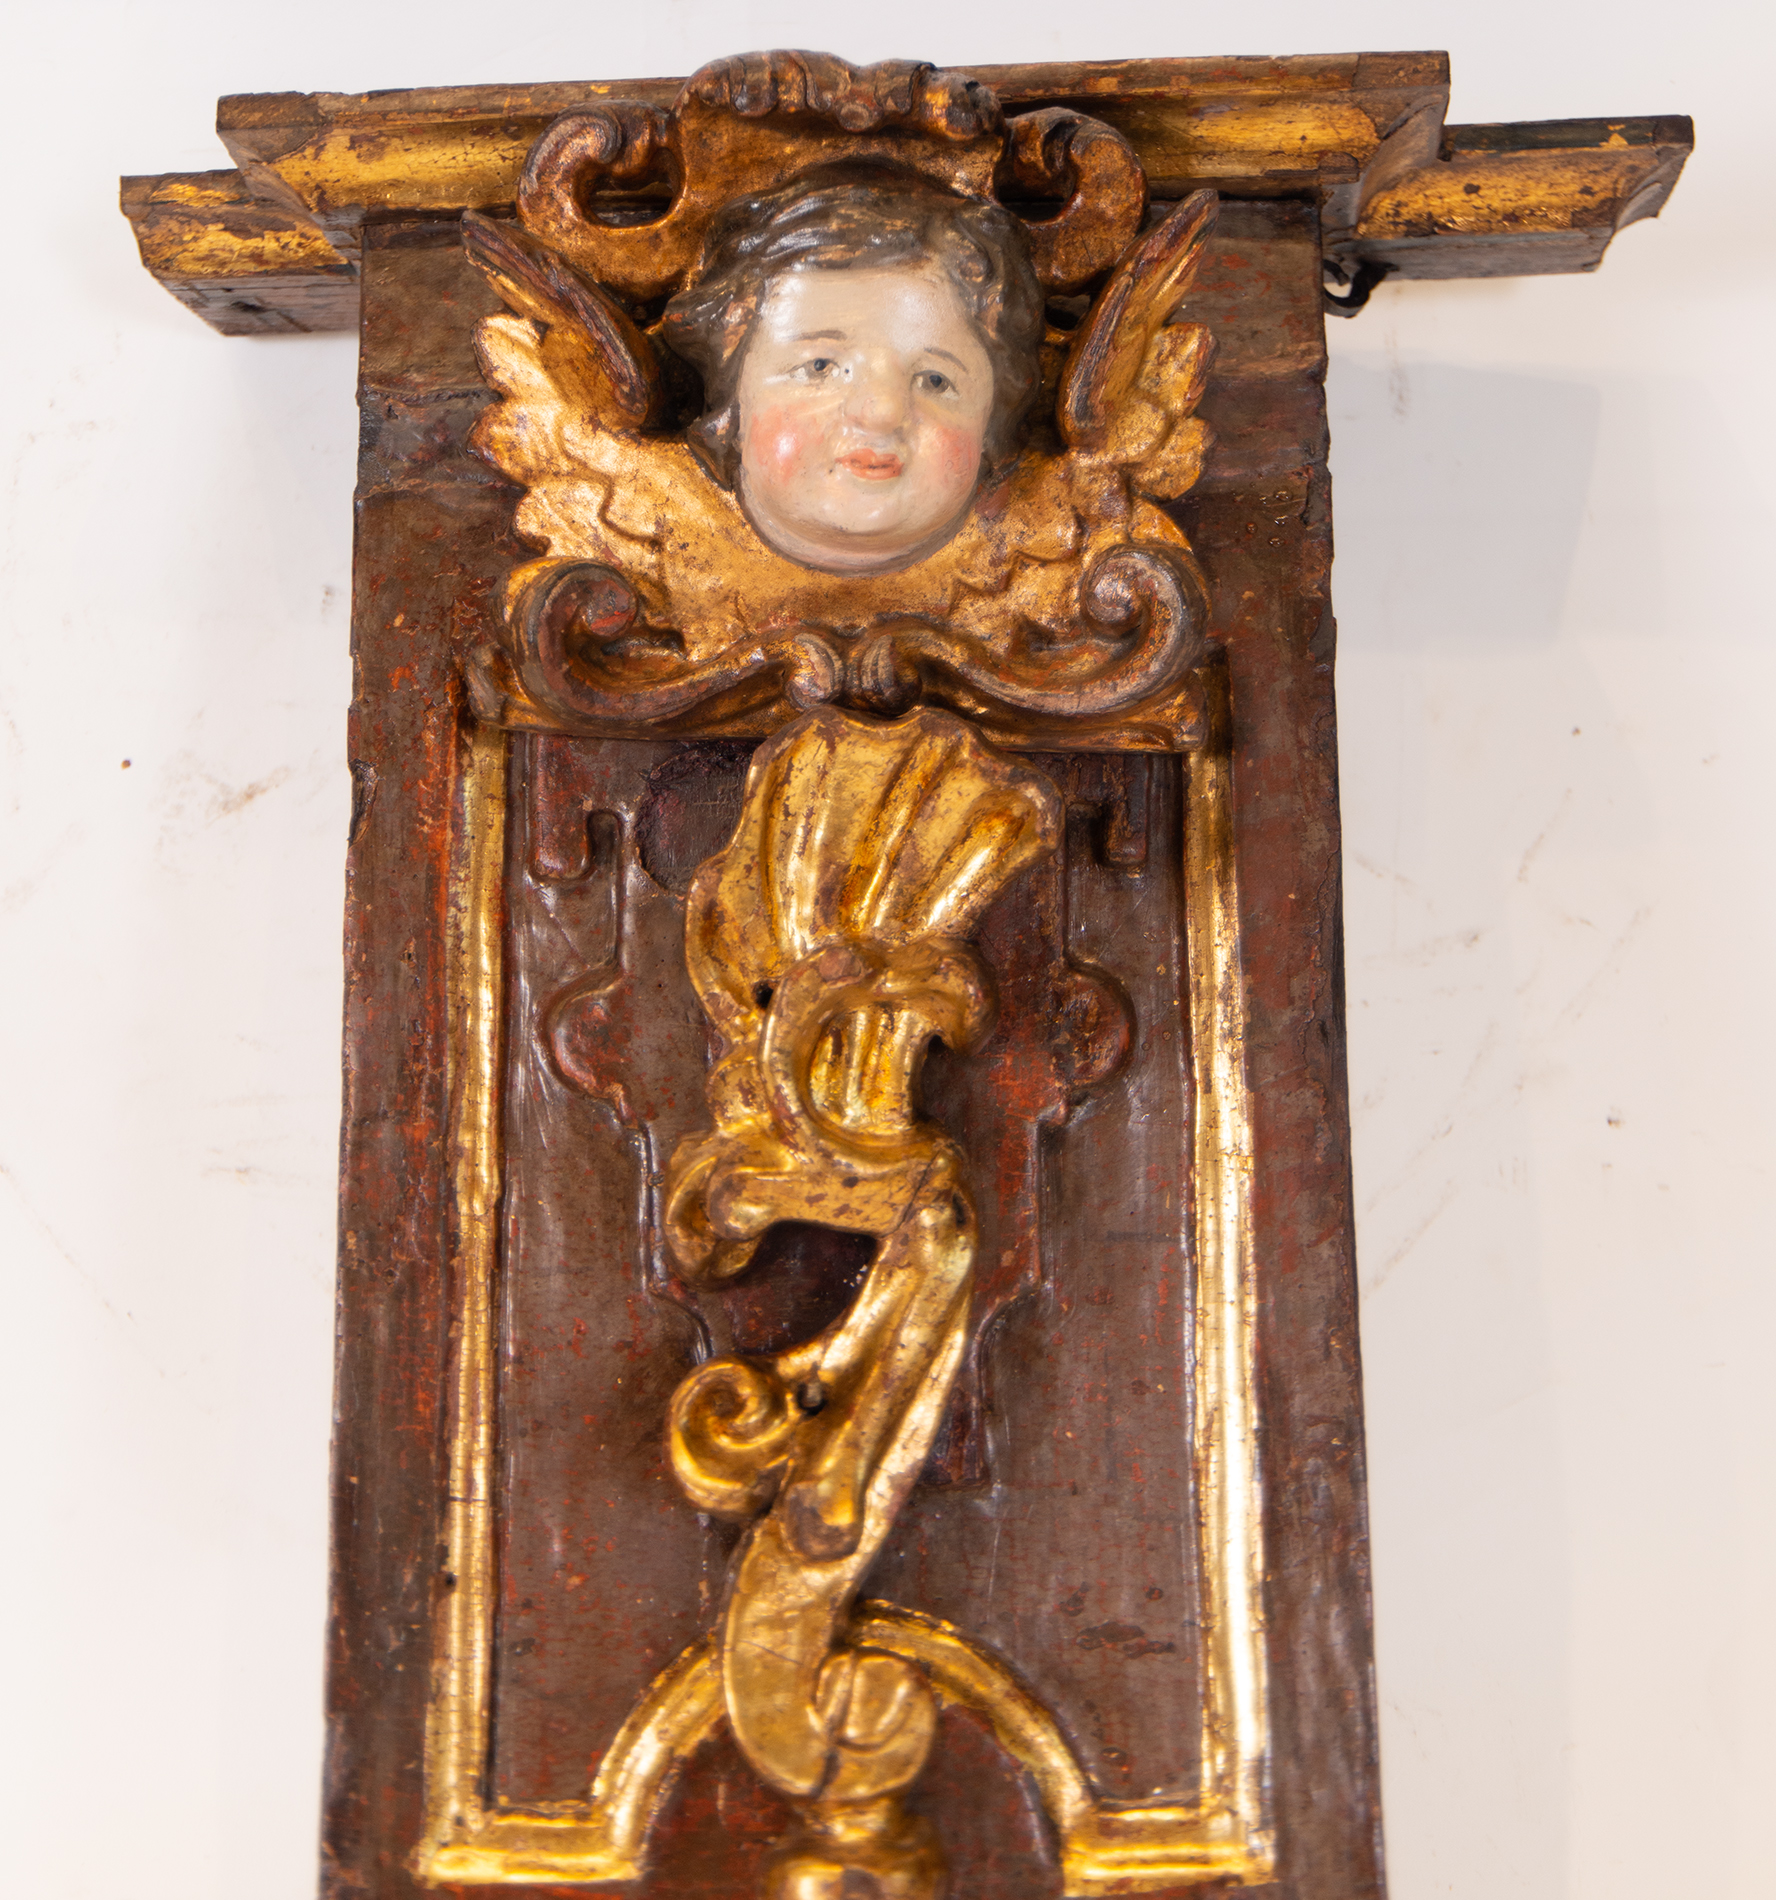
{"x": 828, "y": 946}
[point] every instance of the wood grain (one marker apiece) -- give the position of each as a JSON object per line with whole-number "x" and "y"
{"x": 246, "y": 268}
{"x": 1069, "y": 1552}
{"x": 1430, "y": 202}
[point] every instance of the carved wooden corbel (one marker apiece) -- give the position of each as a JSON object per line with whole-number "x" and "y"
{"x": 848, "y": 1378}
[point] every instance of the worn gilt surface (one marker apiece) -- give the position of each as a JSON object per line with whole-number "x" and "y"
{"x": 828, "y": 944}
{"x": 848, "y": 1383}
{"x": 1065, "y": 611}
{"x": 903, "y": 478}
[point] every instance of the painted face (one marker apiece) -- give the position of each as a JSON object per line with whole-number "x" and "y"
{"x": 864, "y": 398}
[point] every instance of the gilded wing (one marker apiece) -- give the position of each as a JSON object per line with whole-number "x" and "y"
{"x": 589, "y": 348}
{"x": 580, "y": 423}
{"x": 1132, "y": 378}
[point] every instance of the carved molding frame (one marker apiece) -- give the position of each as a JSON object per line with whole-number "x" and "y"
{"x": 1105, "y": 1846}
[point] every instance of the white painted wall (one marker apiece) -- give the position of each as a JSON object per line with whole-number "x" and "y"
{"x": 1555, "y": 513}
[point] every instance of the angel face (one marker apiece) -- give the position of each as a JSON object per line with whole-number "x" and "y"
{"x": 865, "y": 397}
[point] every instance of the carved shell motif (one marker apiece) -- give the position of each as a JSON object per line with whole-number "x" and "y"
{"x": 827, "y": 945}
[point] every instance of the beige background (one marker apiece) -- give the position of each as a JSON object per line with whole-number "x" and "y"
{"x": 1555, "y": 509}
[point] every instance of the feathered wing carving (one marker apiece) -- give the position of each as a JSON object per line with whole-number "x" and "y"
{"x": 591, "y": 355}
{"x": 1133, "y": 378}
{"x": 1069, "y": 598}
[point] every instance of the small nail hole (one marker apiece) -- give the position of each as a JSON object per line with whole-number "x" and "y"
{"x": 811, "y": 1396}
{"x": 762, "y": 994}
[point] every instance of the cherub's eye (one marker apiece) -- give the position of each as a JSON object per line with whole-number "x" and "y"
{"x": 816, "y": 366}
{"x": 935, "y": 381}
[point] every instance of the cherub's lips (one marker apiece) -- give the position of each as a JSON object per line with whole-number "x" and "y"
{"x": 873, "y": 465}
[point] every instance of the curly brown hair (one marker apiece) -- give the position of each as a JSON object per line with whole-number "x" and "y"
{"x": 864, "y": 218}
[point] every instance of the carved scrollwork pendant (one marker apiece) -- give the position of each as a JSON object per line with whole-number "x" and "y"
{"x": 827, "y": 943}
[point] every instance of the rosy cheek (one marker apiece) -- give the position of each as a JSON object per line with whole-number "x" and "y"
{"x": 781, "y": 444}
{"x": 957, "y": 453}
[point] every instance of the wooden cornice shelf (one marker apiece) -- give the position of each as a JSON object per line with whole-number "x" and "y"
{"x": 1522, "y": 200}
{"x": 1249, "y": 127}
{"x": 273, "y": 246}
{"x": 246, "y": 267}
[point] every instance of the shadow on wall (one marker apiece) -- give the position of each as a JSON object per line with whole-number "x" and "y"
{"x": 1461, "y": 494}
{"x": 1460, "y": 501}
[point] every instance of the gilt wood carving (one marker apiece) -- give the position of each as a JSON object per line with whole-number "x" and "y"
{"x": 1060, "y": 606}
{"x": 834, "y": 1722}
{"x": 860, "y": 515}
{"x": 848, "y": 1382}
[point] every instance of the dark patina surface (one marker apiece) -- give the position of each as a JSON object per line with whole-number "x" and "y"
{"x": 1056, "y": 1517}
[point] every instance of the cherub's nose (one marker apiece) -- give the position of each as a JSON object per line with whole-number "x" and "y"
{"x": 876, "y": 398}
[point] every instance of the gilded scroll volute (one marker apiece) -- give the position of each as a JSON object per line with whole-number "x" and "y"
{"x": 758, "y": 116}
{"x": 828, "y": 944}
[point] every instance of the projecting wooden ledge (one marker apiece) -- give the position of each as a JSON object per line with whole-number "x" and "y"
{"x": 246, "y": 267}
{"x": 272, "y": 248}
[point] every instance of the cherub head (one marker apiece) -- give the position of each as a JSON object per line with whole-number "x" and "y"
{"x": 868, "y": 342}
